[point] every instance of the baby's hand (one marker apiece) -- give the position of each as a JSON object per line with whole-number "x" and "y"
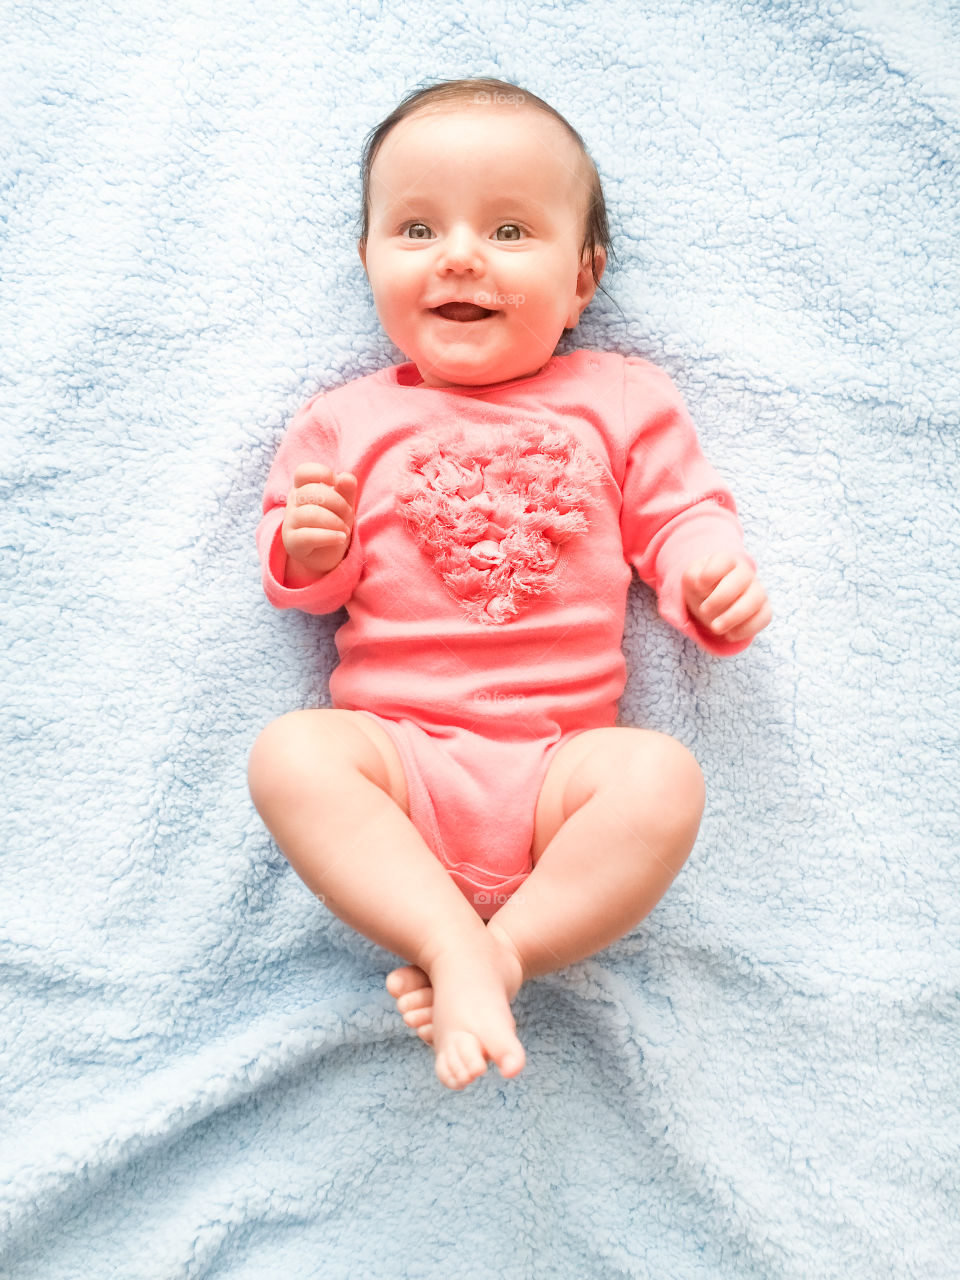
{"x": 724, "y": 595}
{"x": 320, "y": 512}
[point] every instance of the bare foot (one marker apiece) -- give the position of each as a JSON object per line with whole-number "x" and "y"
{"x": 414, "y": 992}
{"x": 463, "y": 1006}
{"x": 411, "y": 989}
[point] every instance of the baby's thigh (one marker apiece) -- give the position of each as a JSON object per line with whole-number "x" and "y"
{"x": 302, "y": 748}
{"x": 636, "y": 767}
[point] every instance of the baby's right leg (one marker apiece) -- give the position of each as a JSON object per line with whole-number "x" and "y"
{"x": 332, "y": 796}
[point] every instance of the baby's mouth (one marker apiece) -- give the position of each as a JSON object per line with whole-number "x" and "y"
{"x": 461, "y": 311}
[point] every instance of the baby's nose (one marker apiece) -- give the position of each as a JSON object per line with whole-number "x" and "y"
{"x": 461, "y": 251}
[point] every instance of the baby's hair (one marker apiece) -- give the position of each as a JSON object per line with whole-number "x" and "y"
{"x": 596, "y": 232}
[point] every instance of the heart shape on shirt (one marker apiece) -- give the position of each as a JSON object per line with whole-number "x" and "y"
{"x": 492, "y": 505}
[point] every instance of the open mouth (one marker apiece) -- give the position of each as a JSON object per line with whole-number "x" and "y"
{"x": 462, "y": 312}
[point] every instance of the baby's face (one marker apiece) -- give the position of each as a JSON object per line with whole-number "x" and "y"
{"x": 483, "y": 204}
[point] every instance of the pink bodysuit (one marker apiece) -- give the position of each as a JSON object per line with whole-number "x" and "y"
{"x": 486, "y": 578}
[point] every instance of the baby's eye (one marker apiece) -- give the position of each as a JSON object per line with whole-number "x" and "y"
{"x": 418, "y": 231}
{"x": 512, "y": 227}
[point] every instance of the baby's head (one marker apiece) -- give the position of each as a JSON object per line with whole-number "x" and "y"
{"x": 478, "y": 193}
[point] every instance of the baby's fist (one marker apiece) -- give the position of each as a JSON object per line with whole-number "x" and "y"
{"x": 723, "y": 593}
{"x": 318, "y": 524}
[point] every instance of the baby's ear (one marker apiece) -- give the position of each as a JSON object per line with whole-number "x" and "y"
{"x": 586, "y": 288}
{"x": 362, "y": 250}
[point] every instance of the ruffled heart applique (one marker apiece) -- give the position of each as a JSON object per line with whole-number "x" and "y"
{"x": 492, "y": 506}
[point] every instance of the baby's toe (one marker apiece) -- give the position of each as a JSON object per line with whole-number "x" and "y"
{"x": 444, "y": 1073}
{"x": 407, "y": 978}
{"x": 512, "y": 1063}
{"x": 418, "y": 1017}
{"x": 465, "y": 1058}
{"x": 422, "y": 999}
{"x": 451, "y": 1071}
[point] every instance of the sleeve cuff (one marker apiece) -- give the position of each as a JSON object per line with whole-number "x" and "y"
{"x": 329, "y": 593}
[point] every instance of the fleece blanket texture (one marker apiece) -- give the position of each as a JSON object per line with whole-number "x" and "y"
{"x": 202, "y": 1073}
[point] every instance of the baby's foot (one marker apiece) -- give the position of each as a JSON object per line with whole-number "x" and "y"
{"x": 472, "y": 1021}
{"x": 410, "y": 987}
{"x": 463, "y": 1007}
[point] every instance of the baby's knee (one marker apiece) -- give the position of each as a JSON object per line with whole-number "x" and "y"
{"x": 683, "y": 770}
{"x": 662, "y": 766}
{"x": 265, "y": 762}
{"x": 682, "y": 790}
{"x": 286, "y": 756}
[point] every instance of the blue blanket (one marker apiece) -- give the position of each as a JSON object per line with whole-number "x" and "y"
{"x": 202, "y": 1072}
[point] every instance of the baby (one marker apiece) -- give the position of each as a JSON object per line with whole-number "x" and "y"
{"x": 469, "y": 801}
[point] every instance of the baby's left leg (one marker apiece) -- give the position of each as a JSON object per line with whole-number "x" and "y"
{"x": 616, "y": 819}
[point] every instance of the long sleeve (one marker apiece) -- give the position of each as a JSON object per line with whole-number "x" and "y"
{"x": 676, "y": 507}
{"x": 311, "y": 437}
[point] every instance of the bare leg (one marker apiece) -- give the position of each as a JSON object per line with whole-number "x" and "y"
{"x": 355, "y": 848}
{"x": 630, "y": 826}
{"x": 604, "y": 872}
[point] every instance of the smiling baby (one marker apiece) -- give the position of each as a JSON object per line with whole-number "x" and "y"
{"x": 468, "y": 801}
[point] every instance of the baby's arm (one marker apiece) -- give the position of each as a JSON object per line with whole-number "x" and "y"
{"x": 678, "y": 514}
{"x": 304, "y": 565}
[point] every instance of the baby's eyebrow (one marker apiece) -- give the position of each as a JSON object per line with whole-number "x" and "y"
{"x": 426, "y": 204}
